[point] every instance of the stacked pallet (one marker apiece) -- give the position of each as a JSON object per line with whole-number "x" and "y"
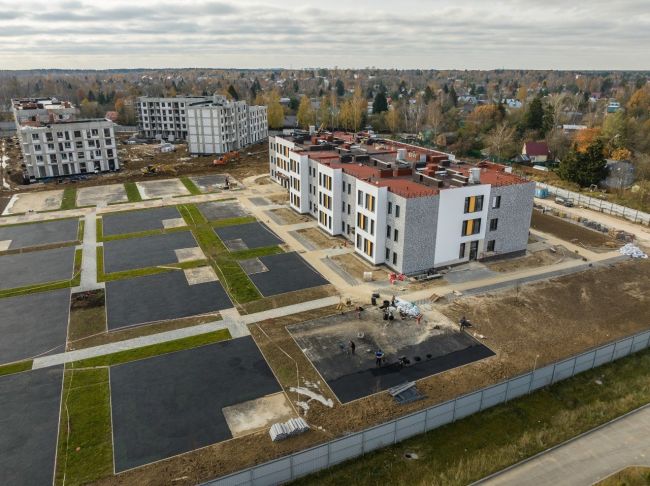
{"x": 288, "y": 429}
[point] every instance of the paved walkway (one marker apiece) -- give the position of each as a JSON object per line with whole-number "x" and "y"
{"x": 89, "y": 257}
{"x": 237, "y": 325}
{"x": 588, "y": 458}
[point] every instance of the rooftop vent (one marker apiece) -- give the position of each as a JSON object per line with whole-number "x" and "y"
{"x": 474, "y": 175}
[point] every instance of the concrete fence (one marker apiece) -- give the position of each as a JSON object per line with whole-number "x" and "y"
{"x": 354, "y": 445}
{"x": 599, "y": 205}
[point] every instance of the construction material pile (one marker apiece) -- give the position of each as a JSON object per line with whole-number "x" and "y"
{"x": 632, "y": 251}
{"x": 288, "y": 429}
{"x": 406, "y": 307}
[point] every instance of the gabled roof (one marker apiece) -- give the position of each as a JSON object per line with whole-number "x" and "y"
{"x": 536, "y": 148}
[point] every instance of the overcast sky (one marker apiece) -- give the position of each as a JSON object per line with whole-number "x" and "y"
{"x": 439, "y": 34}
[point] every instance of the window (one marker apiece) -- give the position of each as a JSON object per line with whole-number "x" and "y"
{"x": 461, "y": 253}
{"x": 496, "y": 202}
{"x": 34, "y": 136}
{"x": 368, "y": 247}
{"x": 473, "y": 204}
{"x": 493, "y": 224}
{"x": 396, "y": 211}
{"x": 349, "y": 189}
{"x": 343, "y": 186}
{"x": 342, "y": 207}
{"x": 395, "y": 234}
{"x": 490, "y": 245}
{"x": 390, "y": 207}
{"x": 359, "y": 198}
{"x": 471, "y": 227}
{"x": 387, "y": 254}
{"x": 394, "y": 258}
{"x": 372, "y": 227}
{"x": 359, "y": 242}
{"x": 342, "y": 226}
{"x": 349, "y": 208}
{"x": 388, "y": 231}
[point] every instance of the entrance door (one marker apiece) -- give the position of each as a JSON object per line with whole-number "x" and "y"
{"x": 473, "y": 250}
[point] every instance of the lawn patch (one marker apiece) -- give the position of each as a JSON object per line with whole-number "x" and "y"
{"x": 132, "y": 192}
{"x": 256, "y": 252}
{"x": 233, "y": 221}
{"x": 11, "y": 368}
{"x": 187, "y": 182}
{"x": 69, "y": 200}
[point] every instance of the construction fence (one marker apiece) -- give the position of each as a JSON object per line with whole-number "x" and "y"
{"x": 354, "y": 445}
{"x": 598, "y": 204}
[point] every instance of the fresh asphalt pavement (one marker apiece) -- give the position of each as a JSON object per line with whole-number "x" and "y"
{"x": 254, "y": 235}
{"x": 148, "y": 251}
{"x": 36, "y": 234}
{"x": 172, "y": 403}
{"x": 161, "y": 297}
{"x": 33, "y": 325}
{"x": 29, "y": 424}
{"x": 136, "y": 221}
{"x": 287, "y": 272}
{"x": 216, "y": 210}
{"x": 23, "y": 269}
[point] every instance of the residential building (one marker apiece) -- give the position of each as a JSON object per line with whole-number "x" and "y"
{"x": 536, "y": 152}
{"x": 410, "y": 208}
{"x": 217, "y": 126}
{"x": 165, "y": 118}
{"x": 55, "y": 142}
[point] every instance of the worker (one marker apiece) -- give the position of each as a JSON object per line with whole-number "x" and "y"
{"x": 463, "y": 323}
{"x": 379, "y": 356}
{"x": 353, "y": 346}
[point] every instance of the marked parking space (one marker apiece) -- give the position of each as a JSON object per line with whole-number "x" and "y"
{"x": 170, "y": 404}
{"x": 36, "y": 234}
{"x": 34, "y": 324}
{"x": 253, "y": 235}
{"x": 23, "y": 269}
{"x": 30, "y": 404}
{"x": 215, "y": 211}
{"x": 148, "y": 251}
{"x": 209, "y": 183}
{"x": 136, "y": 221}
{"x": 286, "y": 272}
{"x": 161, "y": 297}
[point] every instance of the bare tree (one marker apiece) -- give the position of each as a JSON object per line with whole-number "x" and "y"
{"x": 500, "y": 139}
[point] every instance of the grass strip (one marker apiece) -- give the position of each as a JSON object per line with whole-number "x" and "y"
{"x": 256, "y": 252}
{"x": 99, "y": 229}
{"x": 187, "y": 182}
{"x": 11, "y": 368}
{"x": 132, "y": 192}
{"x": 80, "y": 230}
{"x": 141, "y": 272}
{"x": 154, "y": 350}
{"x": 630, "y": 476}
{"x": 85, "y": 450}
{"x": 141, "y": 234}
{"x": 481, "y": 444}
{"x": 231, "y": 275}
{"x": 69, "y": 200}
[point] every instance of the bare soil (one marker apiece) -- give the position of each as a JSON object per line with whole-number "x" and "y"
{"x": 356, "y": 267}
{"x": 532, "y": 260}
{"x": 282, "y": 198}
{"x": 572, "y": 232}
{"x": 289, "y": 216}
{"x": 320, "y": 239}
{"x": 538, "y": 324}
{"x": 289, "y": 298}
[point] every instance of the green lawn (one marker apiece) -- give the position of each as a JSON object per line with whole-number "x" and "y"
{"x": 472, "y": 448}
{"x": 69, "y": 198}
{"x": 234, "y": 279}
{"x": 256, "y": 252}
{"x": 80, "y": 230}
{"x": 132, "y": 192}
{"x": 187, "y": 182}
{"x": 11, "y": 368}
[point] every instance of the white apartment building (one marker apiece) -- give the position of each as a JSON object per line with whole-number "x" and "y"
{"x": 218, "y": 126}
{"x": 165, "y": 118}
{"x": 409, "y": 208}
{"x": 55, "y": 143}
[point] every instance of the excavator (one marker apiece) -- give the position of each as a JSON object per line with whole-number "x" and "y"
{"x": 232, "y": 156}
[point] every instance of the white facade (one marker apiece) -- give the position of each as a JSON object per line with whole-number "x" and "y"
{"x": 165, "y": 118}
{"x": 219, "y": 126}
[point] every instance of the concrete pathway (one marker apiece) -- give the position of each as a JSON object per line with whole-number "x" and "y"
{"x": 89, "y": 256}
{"x": 236, "y": 324}
{"x": 587, "y": 458}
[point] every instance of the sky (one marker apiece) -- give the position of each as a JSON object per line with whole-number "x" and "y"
{"x": 432, "y": 34}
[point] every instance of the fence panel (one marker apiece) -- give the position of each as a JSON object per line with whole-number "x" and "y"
{"x": 352, "y": 446}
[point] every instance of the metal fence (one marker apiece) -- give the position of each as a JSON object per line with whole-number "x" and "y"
{"x": 599, "y": 205}
{"x": 354, "y": 445}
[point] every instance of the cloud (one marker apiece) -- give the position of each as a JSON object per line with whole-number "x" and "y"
{"x": 583, "y": 34}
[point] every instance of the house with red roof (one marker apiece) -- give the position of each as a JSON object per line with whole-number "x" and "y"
{"x": 536, "y": 152}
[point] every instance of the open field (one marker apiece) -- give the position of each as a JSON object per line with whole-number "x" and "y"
{"x": 531, "y": 260}
{"x": 289, "y": 216}
{"x": 572, "y": 232}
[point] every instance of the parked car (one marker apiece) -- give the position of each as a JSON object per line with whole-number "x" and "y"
{"x": 564, "y": 201}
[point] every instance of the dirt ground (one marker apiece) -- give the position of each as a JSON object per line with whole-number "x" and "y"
{"x": 40, "y": 201}
{"x": 289, "y": 216}
{"x": 320, "y": 239}
{"x": 282, "y": 198}
{"x": 353, "y": 265}
{"x": 572, "y": 232}
{"x": 532, "y": 326}
{"x": 531, "y": 260}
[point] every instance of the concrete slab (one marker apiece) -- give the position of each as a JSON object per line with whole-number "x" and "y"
{"x": 173, "y": 223}
{"x": 170, "y": 404}
{"x": 235, "y": 245}
{"x": 4, "y": 245}
{"x": 147, "y": 251}
{"x": 287, "y": 272}
{"x": 34, "y": 201}
{"x": 101, "y": 195}
{"x": 30, "y": 404}
{"x": 189, "y": 254}
{"x": 161, "y": 297}
{"x": 254, "y": 415}
{"x": 23, "y": 269}
{"x": 200, "y": 275}
{"x": 209, "y": 183}
{"x": 162, "y": 188}
{"x": 254, "y": 235}
{"x": 136, "y": 221}
{"x": 253, "y": 266}
{"x": 352, "y": 376}
{"x": 218, "y": 210}
{"x": 36, "y": 234}
{"x": 33, "y": 325}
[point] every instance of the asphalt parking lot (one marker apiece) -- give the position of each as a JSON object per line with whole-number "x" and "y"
{"x": 23, "y": 269}
{"x": 218, "y": 210}
{"x": 161, "y": 297}
{"x": 37, "y": 234}
{"x": 247, "y": 236}
{"x": 170, "y": 404}
{"x": 135, "y": 221}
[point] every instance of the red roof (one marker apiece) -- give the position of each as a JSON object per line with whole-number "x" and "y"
{"x": 536, "y": 148}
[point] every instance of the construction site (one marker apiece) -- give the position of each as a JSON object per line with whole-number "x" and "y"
{"x": 166, "y": 318}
